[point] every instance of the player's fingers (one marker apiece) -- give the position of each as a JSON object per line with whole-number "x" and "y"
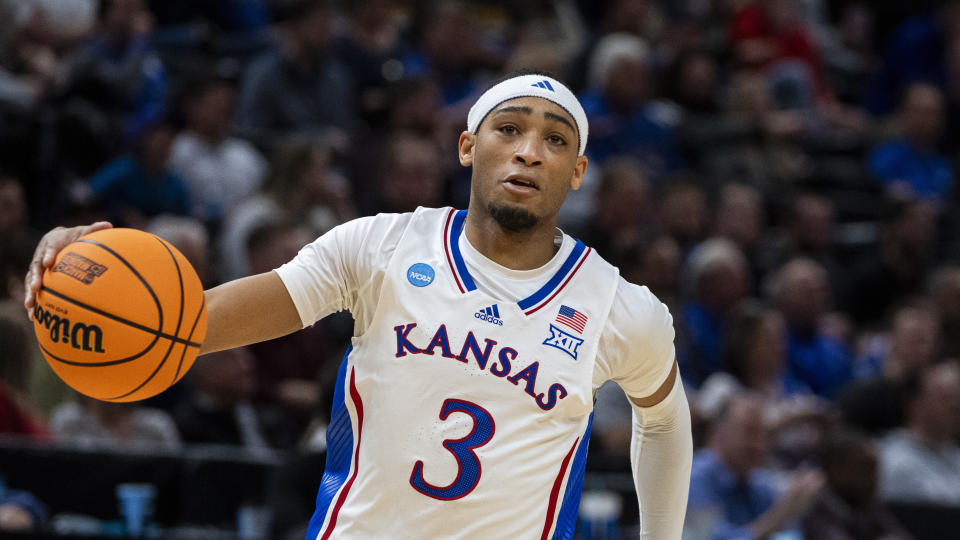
{"x": 60, "y": 238}
{"x": 32, "y": 280}
{"x": 46, "y": 252}
{"x": 31, "y": 284}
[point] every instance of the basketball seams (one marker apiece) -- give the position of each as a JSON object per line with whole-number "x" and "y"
{"x": 148, "y": 379}
{"x": 203, "y": 305}
{"x": 100, "y": 364}
{"x": 118, "y": 319}
{"x": 128, "y": 314}
{"x": 176, "y": 332}
{"x": 120, "y": 258}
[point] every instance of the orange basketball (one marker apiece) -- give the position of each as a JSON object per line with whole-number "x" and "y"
{"x": 121, "y": 315}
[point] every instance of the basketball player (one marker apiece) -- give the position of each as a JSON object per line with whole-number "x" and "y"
{"x": 463, "y": 406}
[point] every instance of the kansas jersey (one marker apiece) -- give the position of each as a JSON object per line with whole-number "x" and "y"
{"x": 463, "y": 409}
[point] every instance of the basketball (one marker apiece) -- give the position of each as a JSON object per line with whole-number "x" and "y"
{"x": 121, "y": 315}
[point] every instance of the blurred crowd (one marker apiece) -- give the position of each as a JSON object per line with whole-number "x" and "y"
{"x": 781, "y": 173}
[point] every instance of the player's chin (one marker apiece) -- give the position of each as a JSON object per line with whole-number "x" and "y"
{"x": 512, "y": 216}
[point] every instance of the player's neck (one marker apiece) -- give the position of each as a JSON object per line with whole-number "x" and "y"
{"x": 515, "y": 250}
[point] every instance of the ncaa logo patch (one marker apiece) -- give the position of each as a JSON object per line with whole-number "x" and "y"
{"x": 565, "y": 342}
{"x": 420, "y": 275}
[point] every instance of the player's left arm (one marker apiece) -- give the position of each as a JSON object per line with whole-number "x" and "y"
{"x": 661, "y": 453}
{"x": 639, "y": 353}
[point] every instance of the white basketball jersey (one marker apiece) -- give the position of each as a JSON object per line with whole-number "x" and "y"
{"x": 458, "y": 415}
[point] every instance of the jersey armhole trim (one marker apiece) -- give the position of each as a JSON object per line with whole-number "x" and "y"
{"x": 660, "y": 393}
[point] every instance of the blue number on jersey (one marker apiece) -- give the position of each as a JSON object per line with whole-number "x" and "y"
{"x": 468, "y": 465}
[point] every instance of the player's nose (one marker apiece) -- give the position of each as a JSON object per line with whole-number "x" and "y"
{"x": 529, "y": 151}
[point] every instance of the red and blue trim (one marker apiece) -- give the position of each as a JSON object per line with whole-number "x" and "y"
{"x": 451, "y": 246}
{"x": 552, "y": 288}
{"x": 529, "y": 305}
{"x": 567, "y": 517}
{"x": 342, "y": 455}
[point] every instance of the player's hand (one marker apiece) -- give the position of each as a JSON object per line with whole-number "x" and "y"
{"x": 46, "y": 253}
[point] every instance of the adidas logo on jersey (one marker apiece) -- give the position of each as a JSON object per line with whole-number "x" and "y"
{"x": 490, "y": 314}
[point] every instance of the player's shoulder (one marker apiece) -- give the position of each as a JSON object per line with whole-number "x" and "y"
{"x": 637, "y": 311}
{"x": 383, "y": 224}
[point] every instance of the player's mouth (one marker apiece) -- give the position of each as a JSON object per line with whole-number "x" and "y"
{"x": 520, "y": 184}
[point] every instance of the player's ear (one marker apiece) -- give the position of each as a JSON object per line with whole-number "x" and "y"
{"x": 578, "y": 171}
{"x": 465, "y": 147}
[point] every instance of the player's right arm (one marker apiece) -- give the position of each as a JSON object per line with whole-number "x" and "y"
{"x": 341, "y": 270}
{"x": 248, "y": 310}
{"x": 241, "y": 312}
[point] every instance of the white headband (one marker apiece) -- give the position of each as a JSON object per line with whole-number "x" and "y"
{"x": 530, "y": 86}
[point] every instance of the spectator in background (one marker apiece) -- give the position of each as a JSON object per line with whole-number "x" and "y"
{"x": 303, "y": 185}
{"x": 15, "y": 418}
{"x": 117, "y": 71}
{"x": 876, "y": 404}
{"x": 802, "y": 293}
{"x": 739, "y": 217}
{"x": 372, "y": 50}
{"x": 220, "y": 408}
{"x": 93, "y": 424}
{"x": 29, "y": 67}
{"x": 139, "y": 186}
{"x": 755, "y": 354}
{"x": 451, "y": 51}
{"x": 771, "y": 35}
{"x": 807, "y": 231}
{"x": 758, "y": 140}
{"x": 190, "y": 237}
{"x": 731, "y": 497}
{"x": 656, "y": 263}
{"x": 916, "y": 51}
{"x": 17, "y": 414}
{"x": 848, "y": 508}
{"x": 16, "y": 236}
{"x": 19, "y": 355}
{"x": 944, "y": 291}
{"x": 898, "y": 269}
{"x": 219, "y": 171}
{"x": 911, "y": 165}
{"x": 622, "y": 118}
{"x": 416, "y": 106}
{"x": 682, "y": 213}
{"x": 302, "y": 86}
{"x": 22, "y": 366}
{"x": 289, "y": 369}
{"x": 755, "y": 360}
{"x": 411, "y": 173}
{"x": 623, "y": 208}
{"x": 921, "y": 463}
{"x": 13, "y": 208}
{"x": 718, "y": 279}
{"x": 15, "y": 341}
{"x": 21, "y": 511}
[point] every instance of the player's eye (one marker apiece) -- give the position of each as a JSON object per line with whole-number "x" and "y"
{"x": 509, "y": 129}
{"x": 556, "y": 139}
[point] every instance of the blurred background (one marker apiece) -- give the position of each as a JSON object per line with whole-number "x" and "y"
{"x": 779, "y": 172}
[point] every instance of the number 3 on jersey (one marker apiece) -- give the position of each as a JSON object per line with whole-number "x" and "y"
{"x": 468, "y": 465}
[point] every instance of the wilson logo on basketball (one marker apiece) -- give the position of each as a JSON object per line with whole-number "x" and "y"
{"x": 87, "y": 337}
{"x": 79, "y": 267}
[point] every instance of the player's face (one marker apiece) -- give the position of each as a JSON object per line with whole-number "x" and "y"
{"x": 524, "y": 159}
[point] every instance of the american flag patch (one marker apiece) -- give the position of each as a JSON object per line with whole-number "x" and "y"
{"x": 572, "y": 318}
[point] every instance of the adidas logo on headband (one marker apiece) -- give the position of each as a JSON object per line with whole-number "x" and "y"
{"x": 543, "y": 84}
{"x": 530, "y": 86}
